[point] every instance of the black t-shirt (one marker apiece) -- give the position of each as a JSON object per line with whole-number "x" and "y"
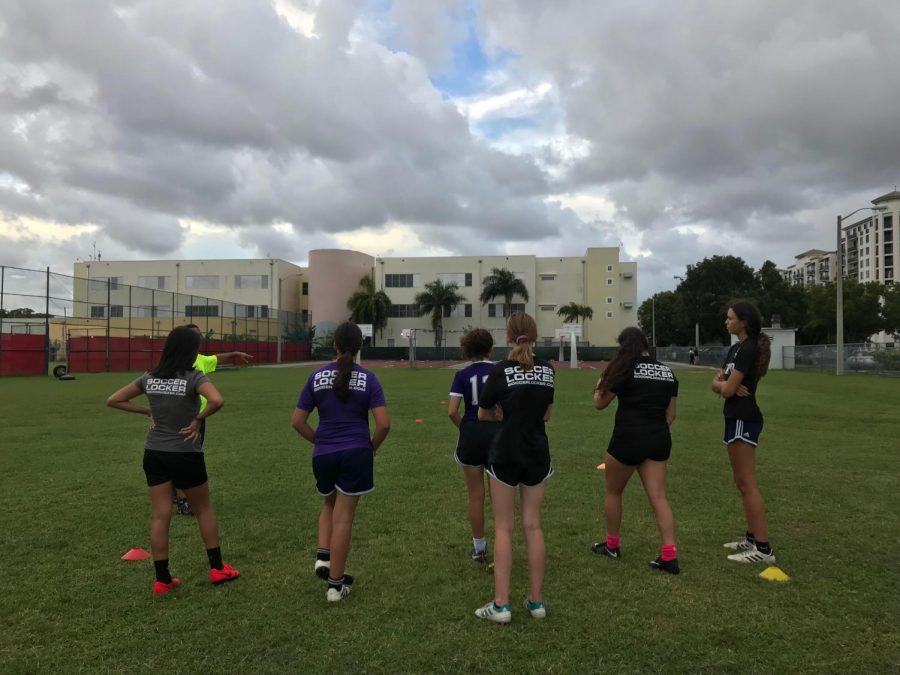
{"x": 524, "y": 396}
{"x": 644, "y": 397}
{"x": 742, "y": 357}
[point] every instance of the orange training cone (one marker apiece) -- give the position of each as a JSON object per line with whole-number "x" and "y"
{"x": 419, "y": 419}
{"x": 602, "y": 467}
{"x": 136, "y": 554}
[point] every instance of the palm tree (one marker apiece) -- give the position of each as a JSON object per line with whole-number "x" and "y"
{"x": 572, "y": 312}
{"x": 439, "y": 300}
{"x": 501, "y": 283}
{"x": 368, "y": 305}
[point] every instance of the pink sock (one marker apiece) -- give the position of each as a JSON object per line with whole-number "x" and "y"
{"x": 669, "y": 552}
{"x": 612, "y": 541}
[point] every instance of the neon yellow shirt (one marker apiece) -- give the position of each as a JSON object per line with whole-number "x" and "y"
{"x": 206, "y": 365}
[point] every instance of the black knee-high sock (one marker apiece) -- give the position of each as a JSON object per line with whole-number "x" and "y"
{"x": 162, "y": 571}
{"x": 215, "y": 557}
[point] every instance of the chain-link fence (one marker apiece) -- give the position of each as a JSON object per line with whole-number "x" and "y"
{"x": 858, "y": 357}
{"x": 102, "y": 325}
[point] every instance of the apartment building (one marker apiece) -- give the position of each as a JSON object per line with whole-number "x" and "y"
{"x": 597, "y": 279}
{"x": 811, "y": 268}
{"x": 190, "y": 288}
{"x": 867, "y": 245}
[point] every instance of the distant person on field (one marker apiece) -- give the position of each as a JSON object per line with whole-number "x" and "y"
{"x": 173, "y": 455}
{"x": 519, "y": 459}
{"x": 475, "y": 437}
{"x": 646, "y": 390}
{"x": 206, "y": 365}
{"x": 746, "y": 363}
{"x": 343, "y": 452}
{"x": 692, "y": 354}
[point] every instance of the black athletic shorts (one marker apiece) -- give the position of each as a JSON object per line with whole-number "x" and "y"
{"x": 186, "y": 470}
{"x": 632, "y": 448}
{"x": 513, "y": 474}
{"x": 475, "y": 439}
{"x": 351, "y": 472}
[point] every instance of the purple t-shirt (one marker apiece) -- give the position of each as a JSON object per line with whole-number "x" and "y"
{"x": 342, "y": 426}
{"x": 467, "y": 383}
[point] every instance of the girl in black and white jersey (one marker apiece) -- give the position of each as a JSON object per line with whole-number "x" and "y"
{"x": 519, "y": 458}
{"x": 647, "y": 391}
{"x": 746, "y": 363}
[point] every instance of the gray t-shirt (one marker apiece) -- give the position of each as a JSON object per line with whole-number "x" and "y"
{"x": 174, "y": 402}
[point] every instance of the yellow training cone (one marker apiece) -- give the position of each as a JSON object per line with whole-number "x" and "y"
{"x": 773, "y": 573}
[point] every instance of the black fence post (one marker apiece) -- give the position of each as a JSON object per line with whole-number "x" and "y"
{"x": 130, "y": 288}
{"x": 108, "y": 302}
{"x": 47, "y": 325}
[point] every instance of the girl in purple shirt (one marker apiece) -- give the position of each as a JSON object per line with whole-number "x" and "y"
{"x": 343, "y": 453}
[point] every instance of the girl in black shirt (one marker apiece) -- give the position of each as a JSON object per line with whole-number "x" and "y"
{"x": 747, "y": 361}
{"x": 647, "y": 392}
{"x": 522, "y": 386}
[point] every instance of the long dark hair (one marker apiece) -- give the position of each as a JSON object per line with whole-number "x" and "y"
{"x": 749, "y": 314}
{"x": 632, "y": 344}
{"x": 347, "y": 341}
{"x": 179, "y": 353}
{"x": 476, "y": 344}
{"x": 521, "y": 330}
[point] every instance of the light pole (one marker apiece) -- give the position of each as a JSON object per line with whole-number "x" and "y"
{"x": 839, "y": 328}
{"x": 696, "y": 323}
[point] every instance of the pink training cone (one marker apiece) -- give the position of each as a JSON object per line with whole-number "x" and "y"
{"x": 419, "y": 419}
{"x": 136, "y": 554}
{"x": 602, "y": 467}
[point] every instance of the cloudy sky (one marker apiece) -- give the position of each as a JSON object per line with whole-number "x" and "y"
{"x": 257, "y": 128}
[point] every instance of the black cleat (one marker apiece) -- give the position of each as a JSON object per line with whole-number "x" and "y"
{"x": 603, "y": 549}
{"x": 670, "y": 566}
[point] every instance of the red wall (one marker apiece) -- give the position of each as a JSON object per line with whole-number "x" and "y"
{"x": 88, "y": 354}
{"x": 22, "y": 355}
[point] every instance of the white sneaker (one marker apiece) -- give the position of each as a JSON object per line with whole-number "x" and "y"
{"x": 336, "y": 595}
{"x": 740, "y": 545}
{"x": 536, "y": 609}
{"x": 496, "y": 614}
{"x": 322, "y": 568}
{"x": 753, "y": 555}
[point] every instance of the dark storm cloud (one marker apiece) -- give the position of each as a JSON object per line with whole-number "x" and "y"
{"x": 219, "y": 111}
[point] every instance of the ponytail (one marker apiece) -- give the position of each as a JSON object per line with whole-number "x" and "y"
{"x": 347, "y": 341}
{"x": 632, "y": 344}
{"x": 341, "y": 386}
{"x": 522, "y": 331}
{"x": 523, "y": 354}
{"x": 763, "y": 354}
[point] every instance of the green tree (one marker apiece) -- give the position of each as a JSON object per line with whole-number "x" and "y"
{"x": 778, "y": 297}
{"x": 572, "y": 312}
{"x": 672, "y": 326}
{"x": 501, "y": 283}
{"x": 708, "y": 287}
{"x": 890, "y": 310}
{"x": 862, "y": 312}
{"x": 439, "y": 300}
{"x": 369, "y": 305}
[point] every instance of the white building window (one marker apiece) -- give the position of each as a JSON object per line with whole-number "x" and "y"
{"x": 158, "y": 283}
{"x": 609, "y": 300}
{"x": 99, "y": 283}
{"x": 402, "y": 280}
{"x": 609, "y": 268}
{"x": 548, "y": 277}
{"x": 609, "y": 282}
{"x": 251, "y": 281}
{"x": 458, "y": 278}
{"x": 547, "y": 308}
{"x": 201, "y": 282}
{"x": 609, "y": 315}
{"x": 495, "y": 309}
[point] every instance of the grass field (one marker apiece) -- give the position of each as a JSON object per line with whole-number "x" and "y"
{"x": 73, "y": 501}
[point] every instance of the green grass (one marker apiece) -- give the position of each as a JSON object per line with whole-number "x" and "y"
{"x": 73, "y": 500}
